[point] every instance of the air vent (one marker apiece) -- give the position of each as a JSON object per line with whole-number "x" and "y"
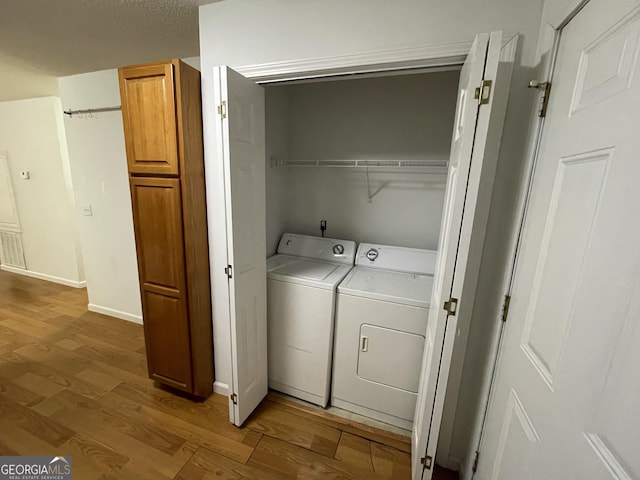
{"x": 11, "y": 252}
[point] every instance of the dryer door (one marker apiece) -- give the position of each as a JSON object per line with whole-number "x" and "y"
{"x": 390, "y": 357}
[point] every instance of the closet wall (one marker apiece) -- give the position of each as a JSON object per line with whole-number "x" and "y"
{"x": 100, "y": 181}
{"x": 400, "y": 117}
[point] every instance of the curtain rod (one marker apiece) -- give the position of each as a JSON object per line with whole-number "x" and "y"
{"x": 71, "y": 113}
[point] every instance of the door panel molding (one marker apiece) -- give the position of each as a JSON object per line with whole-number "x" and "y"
{"x": 558, "y": 271}
{"x": 515, "y": 421}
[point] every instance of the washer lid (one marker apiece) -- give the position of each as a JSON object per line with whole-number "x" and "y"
{"x": 399, "y": 287}
{"x": 306, "y": 271}
{"x": 319, "y": 248}
{"x": 401, "y": 259}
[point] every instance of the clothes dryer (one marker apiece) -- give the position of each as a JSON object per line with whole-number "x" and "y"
{"x": 381, "y": 321}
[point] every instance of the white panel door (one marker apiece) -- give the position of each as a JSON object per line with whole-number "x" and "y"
{"x": 8, "y": 209}
{"x": 241, "y": 148}
{"x": 11, "y": 248}
{"x": 566, "y": 401}
{"x": 476, "y": 137}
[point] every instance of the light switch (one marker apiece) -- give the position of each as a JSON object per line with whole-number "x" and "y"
{"x": 87, "y": 211}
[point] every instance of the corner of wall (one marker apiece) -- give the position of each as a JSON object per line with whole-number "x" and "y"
{"x": 20, "y": 81}
{"x": 68, "y": 183}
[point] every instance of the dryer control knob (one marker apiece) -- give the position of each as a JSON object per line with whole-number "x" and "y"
{"x": 372, "y": 254}
{"x": 338, "y": 249}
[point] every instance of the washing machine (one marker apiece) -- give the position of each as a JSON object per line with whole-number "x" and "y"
{"x": 301, "y": 290}
{"x": 382, "y": 308}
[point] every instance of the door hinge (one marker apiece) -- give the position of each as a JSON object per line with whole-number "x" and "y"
{"x": 426, "y": 461}
{"x": 483, "y": 92}
{"x": 222, "y": 109}
{"x": 234, "y": 398}
{"x": 474, "y": 468}
{"x": 228, "y": 270}
{"x": 505, "y": 307}
{"x": 451, "y": 305}
{"x": 546, "y": 89}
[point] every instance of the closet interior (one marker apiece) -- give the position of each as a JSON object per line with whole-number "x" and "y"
{"x": 368, "y": 153}
{"x": 365, "y": 156}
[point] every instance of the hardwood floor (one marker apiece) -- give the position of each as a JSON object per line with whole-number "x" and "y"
{"x": 73, "y": 382}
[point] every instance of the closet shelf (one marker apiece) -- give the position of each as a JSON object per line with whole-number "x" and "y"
{"x": 364, "y": 163}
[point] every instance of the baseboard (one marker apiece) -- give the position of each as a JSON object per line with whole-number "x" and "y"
{"x": 221, "y": 388}
{"x": 115, "y": 313}
{"x": 455, "y": 464}
{"x": 44, "y": 276}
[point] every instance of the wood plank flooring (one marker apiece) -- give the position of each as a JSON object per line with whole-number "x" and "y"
{"x": 73, "y": 382}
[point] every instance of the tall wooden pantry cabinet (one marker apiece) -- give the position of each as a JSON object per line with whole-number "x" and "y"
{"x": 162, "y": 114}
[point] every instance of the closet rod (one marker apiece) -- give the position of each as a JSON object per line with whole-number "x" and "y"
{"x": 71, "y": 113}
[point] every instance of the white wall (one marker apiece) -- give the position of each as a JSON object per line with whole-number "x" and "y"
{"x": 246, "y": 32}
{"x": 31, "y": 134}
{"x": 100, "y": 180}
{"x": 20, "y": 81}
{"x": 399, "y": 117}
{"x": 406, "y": 211}
{"x": 277, "y": 145}
{"x": 408, "y": 117}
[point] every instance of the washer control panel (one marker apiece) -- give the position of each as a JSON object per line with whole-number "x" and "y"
{"x": 372, "y": 254}
{"x": 318, "y": 248}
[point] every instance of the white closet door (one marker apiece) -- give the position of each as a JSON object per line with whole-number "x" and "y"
{"x": 241, "y": 149}
{"x": 11, "y": 249}
{"x": 566, "y": 398}
{"x": 8, "y": 209}
{"x": 474, "y": 150}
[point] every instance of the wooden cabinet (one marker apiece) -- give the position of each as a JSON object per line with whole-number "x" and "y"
{"x": 162, "y": 115}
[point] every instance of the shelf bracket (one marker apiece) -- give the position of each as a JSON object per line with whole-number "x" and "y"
{"x": 371, "y": 195}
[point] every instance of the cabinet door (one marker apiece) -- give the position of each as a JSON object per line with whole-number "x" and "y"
{"x": 149, "y": 117}
{"x": 157, "y": 218}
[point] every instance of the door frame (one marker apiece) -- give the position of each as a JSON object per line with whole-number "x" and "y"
{"x": 556, "y": 23}
{"x": 394, "y": 60}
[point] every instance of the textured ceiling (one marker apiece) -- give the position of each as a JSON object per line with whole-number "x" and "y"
{"x": 64, "y": 37}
